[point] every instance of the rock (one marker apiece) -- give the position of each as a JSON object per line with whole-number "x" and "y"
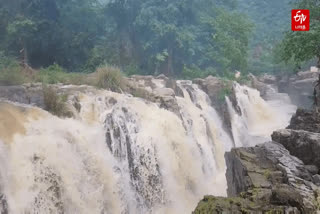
{"x": 262, "y": 87}
{"x": 312, "y": 169}
{"x": 305, "y": 120}
{"x": 264, "y": 179}
{"x": 26, "y": 94}
{"x": 164, "y": 92}
{"x": 300, "y": 87}
{"x": 302, "y": 144}
{"x": 316, "y": 179}
{"x": 3, "y": 205}
{"x": 268, "y": 79}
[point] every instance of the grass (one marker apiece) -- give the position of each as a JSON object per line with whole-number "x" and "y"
{"x": 55, "y": 103}
{"x": 11, "y": 73}
{"x": 109, "y": 77}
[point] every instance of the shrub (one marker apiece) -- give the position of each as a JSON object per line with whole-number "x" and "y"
{"x": 11, "y": 73}
{"x": 50, "y": 75}
{"x": 11, "y": 76}
{"x": 56, "y": 74}
{"x": 109, "y": 77}
{"x": 55, "y": 103}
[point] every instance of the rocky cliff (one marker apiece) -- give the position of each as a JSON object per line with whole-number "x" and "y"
{"x": 300, "y": 87}
{"x": 276, "y": 177}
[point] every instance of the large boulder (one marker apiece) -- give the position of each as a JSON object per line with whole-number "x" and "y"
{"x": 300, "y": 87}
{"x": 265, "y": 178}
{"x": 305, "y": 120}
{"x": 302, "y": 144}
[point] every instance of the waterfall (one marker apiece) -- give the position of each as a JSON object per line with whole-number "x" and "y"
{"x": 122, "y": 154}
{"x": 258, "y": 118}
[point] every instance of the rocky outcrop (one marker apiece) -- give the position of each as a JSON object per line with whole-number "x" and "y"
{"x": 26, "y": 94}
{"x": 302, "y": 144}
{"x": 305, "y": 120}
{"x": 302, "y": 139}
{"x": 265, "y": 178}
{"x": 300, "y": 87}
{"x": 281, "y": 176}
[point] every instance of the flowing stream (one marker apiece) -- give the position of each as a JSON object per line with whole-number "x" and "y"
{"x": 125, "y": 155}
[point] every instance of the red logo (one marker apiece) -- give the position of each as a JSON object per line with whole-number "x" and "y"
{"x": 300, "y": 20}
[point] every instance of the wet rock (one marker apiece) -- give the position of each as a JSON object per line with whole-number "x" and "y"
{"x": 264, "y": 179}
{"x": 216, "y": 89}
{"x": 268, "y": 79}
{"x": 26, "y": 94}
{"x": 3, "y": 205}
{"x": 305, "y": 120}
{"x": 312, "y": 169}
{"x": 316, "y": 179}
{"x": 262, "y": 87}
{"x": 300, "y": 87}
{"x": 164, "y": 92}
{"x": 302, "y": 144}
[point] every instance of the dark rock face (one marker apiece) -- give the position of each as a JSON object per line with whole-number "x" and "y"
{"x": 305, "y": 120}
{"x": 299, "y": 87}
{"x": 276, "y": 177}
{"x": 302, "y": 144}
{"x": 27, "y": 94}
{"x": 3, "y": 205}
{"x": 265, "y": 178}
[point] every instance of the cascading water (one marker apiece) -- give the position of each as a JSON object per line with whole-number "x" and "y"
{"x": 258, "y": 118}
{"x": 122, "y": 154}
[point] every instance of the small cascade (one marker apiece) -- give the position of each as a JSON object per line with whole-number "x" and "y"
{"x": 258, "y": 118}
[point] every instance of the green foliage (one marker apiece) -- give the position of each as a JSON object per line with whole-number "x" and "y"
{"x": 180, "y": 38}
{"x": 10, "y": 71}
{"x": 268, "y": 31}
{"x": 229, "y": 41}
{"x": 303, "y": 46}
{"x": 11, "y": 76}
{"x": 109, "y": 77}
{"x": 55, "y": 103}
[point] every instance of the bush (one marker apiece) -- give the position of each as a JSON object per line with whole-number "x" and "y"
{"x": 55, "y": 103}
{"x": 109, "y": 77}
{"x": 11, "y": 73}
{"x": 11, "y": 76}
{"x": 56, "y": 74}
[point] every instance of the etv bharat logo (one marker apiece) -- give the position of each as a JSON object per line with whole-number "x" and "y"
{"x": 300, "y": 20}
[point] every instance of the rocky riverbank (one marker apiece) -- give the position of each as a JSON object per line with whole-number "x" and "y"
{"x": 281, "y": 176}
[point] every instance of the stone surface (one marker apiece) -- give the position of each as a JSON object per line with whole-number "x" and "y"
{"x": 26, "y": 94}
{"x": 299, "y": 87}
{"x": 264, "y": 179}
{"x": 305, "y": 120}
{"x": 302, "y": 144}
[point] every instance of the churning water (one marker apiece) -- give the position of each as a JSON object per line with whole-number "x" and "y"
{"x": 125, "y": 155}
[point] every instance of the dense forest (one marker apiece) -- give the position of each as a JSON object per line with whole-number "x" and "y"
{"x": 180, "y": 38}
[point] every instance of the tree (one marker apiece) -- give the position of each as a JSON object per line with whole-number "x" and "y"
{"x": 53, "y": 31}
{"x": 305, "y": 45}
